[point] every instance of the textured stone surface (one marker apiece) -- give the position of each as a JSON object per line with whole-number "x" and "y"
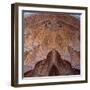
{"x": 44, "y": 32}
{"x": 53, "y": 65}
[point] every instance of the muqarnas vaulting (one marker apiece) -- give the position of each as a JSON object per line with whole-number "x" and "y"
{"x": 51, "y": 44}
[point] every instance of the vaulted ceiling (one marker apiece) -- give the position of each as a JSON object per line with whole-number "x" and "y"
{"x": 44, "y": 32}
